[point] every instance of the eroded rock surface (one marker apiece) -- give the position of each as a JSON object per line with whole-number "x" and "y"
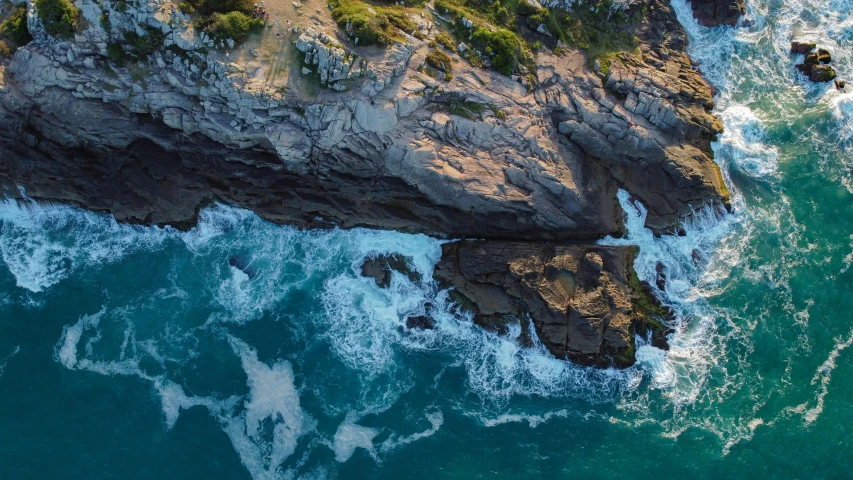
{"x": 482, "y": 156}
{"x": 577, "y": 296}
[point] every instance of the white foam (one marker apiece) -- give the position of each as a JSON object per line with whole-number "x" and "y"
{"x": 66, "y": 352}
{"x": 42, "y": 244}
{"x": 173, "y": 400}
{"x": 15, "y": 351}
{"x": 745, "y": 141}
{"x": 272, "y": 400}
{"x": 350, "y": 436}
{"x": 436, "y": 420}
{"x": 684, "y": 369}
{"x": 822, "y": 378}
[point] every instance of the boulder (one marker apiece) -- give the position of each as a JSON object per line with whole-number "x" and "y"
{"x": 822, "y": 73}
{"x": 815, "y": 66}
{"x": 802, "y": 47}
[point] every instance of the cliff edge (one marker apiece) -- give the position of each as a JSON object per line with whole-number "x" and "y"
{"x": 304, "y": 126}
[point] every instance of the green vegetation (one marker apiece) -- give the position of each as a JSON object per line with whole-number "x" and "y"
{"x": 592, "y": 26}
{"x": 490, "y": 33}
{"x": 439, "y": 61}
{"x": 470, "y": 110}
{"x": 372, "y": 24}
{"x": 223, "y": 19}
{"x": 135, "y": 46}
{"x": 186, "y": 7}
{"x": 143, "y": 45}
{"x": 5, "y": 49}
{"x": 14, "y": 28}
{"x": 59, "y": 17}
{"x": 209, "y": 7}
{"x": 234, "y": 25}
{"x": 644, "y": 304}
{"x": 445, "y": 40}
{"x": 505, "y": 49}
{"x": 116, "y": 53}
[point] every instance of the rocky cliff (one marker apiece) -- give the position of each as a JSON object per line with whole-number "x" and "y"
{"x": 381, "y": 144}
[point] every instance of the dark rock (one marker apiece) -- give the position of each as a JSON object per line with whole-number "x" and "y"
{"x": 420, "y": 322}
{"x": 840, "y": 84}
{"x": 822, "y": 73}
{"x": 380, "y": 267}
{"x": 242, "y": 263}
{"x": 802, "y": 48}
{"x": 814, "y": 65}
{"x": 697, "y": 257}
{"x": 712, "y": 13}
{"x": 660, "y": 279}
{"x": 577, "y": 296}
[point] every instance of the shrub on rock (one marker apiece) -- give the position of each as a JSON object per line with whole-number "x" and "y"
{"x": 372, "y": 24}
{"x": 233, "y": 25}
{"x": 439, "y": 61}
{"x": 15, "y": 27}
{"x": 224, "y": 6}
{"x": 59, "y": 17}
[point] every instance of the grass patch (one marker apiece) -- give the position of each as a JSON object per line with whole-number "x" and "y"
{"x": 445, "y": 40}
{"x": 372, "y": 24}
{"x": 470, "y": 110}
{"x": 5, "y": 49}
{"x": 234, "y": 25}
{"x": 59, "y": 17}
{"x": 592, "y": 25}
{"x": 209, "y": 7}
{"x": 492, "y": 32}
{"x": 14, "y": 28}
{"x": 439, "y": 61}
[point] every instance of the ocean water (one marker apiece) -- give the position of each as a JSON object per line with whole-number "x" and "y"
{"x": 139, "y": 352}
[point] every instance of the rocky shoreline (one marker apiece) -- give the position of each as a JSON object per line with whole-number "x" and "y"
{"x": 155, "y": 142}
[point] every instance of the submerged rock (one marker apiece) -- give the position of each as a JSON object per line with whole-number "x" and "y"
{"x": 583, "y": 300}
{"x": 242, "y": 263}
{"x": 420, "y": 322}
{"x": 660, "y": 276}
{"x": 380, "y": 267}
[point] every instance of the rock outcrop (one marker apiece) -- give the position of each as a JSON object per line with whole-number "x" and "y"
{"x": 815, "y": 64}
{"x": 481, "y": 156}
{"x": 577, "y": 296}
{"x": 712, "y": 13}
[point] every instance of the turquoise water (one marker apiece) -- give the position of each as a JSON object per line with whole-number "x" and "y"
{"x": 138, "y": 352}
